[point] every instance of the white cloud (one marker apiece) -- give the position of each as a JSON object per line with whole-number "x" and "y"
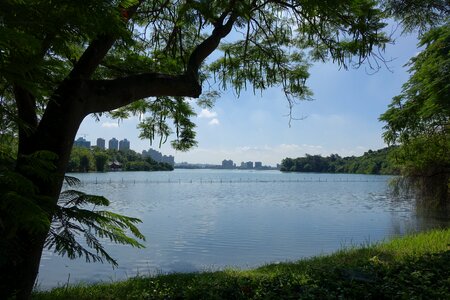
{"x": 207, "y": 114}
{"x": 110, "y": 125}
{"x": 214, "y": 121}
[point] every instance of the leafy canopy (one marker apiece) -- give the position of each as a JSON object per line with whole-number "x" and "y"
{"x": 418, "y": 120}
{"x": 421, "y": 15}
{"x": 423, "y": 107}
{"x": 270, "y": 44}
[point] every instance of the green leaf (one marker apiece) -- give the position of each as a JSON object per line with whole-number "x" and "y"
{"x": 71, "y": 220}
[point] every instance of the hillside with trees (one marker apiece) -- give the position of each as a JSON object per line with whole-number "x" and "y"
{"x": 372, "y": 162}
{"x": 98, "y": 160}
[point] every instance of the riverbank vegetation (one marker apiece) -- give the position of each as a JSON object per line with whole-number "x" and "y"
{"x": 418, "y": 120}
{"x": 410, "y": 267}
{"x": 372, "y": 162}
{"x": 98, "y": 160}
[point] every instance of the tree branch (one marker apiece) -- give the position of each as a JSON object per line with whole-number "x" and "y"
{"x": 26, "y": 106}
{"x": 91, "y": 58}
{"x": 205, "y": 48}
{"x": 106, "y": 95}
{"x": 97, "y": 50}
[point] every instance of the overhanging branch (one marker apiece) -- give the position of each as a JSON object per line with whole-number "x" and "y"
{"x": 106, "y": 95}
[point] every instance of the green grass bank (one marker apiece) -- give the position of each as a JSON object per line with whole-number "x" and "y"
{"x": 411, "y": 267}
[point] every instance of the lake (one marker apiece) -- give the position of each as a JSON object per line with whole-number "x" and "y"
{"x": 198, "y": 220}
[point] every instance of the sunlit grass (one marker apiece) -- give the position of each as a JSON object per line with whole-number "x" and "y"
{"x": 412, "y": 267}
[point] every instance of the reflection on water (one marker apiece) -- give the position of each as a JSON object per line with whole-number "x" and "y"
{"x": 426, "y": 199}
{"x": 197, "y": 220}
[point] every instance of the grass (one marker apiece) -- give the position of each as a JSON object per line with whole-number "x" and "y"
{"x": 412, "y": 267}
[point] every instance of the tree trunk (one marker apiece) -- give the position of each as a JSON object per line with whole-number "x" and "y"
{"x": 18, "y": 275}
{"x": 19, "y": 265}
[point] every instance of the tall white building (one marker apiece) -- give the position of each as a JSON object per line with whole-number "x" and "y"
{"x": 101, "y": 143}
{"x": 124, "y": 145}
{"x": 113, "y": 144}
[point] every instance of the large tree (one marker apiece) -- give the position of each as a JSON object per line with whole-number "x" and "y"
{"x": 63, "y": 60}
{"x": 418, "y": 120}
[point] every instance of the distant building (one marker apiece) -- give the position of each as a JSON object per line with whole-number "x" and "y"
{"x": 168, "y": 159}
{"x": 101, "y": 143}
{"x": 247, "y": 165}
{"x": 227, "y": 164}
{"x": 258, "y": 165}
{"x": 113, "y": 144}
{"x": 158, "y": 157}
{"x": 81, "y": 142}
{"x": 155, "y": 155}
{"x": 115, "y": 166}
{"x": 124, "y": 145}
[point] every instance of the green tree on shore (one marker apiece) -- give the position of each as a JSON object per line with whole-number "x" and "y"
{"x": 372, "y": 162}
{"x": 418, "y": 120}
{"x": 101, "y": 158}
{"x": 61, "y": 61}
{"x": 81, "y": 160}
{"x": 85, "y": 160}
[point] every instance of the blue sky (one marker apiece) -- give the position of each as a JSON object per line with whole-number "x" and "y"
{"x": 342, "y": 118}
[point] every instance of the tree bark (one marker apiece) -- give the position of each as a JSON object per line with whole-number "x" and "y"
{"x": 20, "y": 272}
{"x": 55, "y": 133}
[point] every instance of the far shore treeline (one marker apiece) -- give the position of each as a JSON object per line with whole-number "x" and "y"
{"x": 98, "y": 160}
{"x": 372, "y": 162}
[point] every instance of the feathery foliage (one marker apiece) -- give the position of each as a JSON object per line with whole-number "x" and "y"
{"x": 418, "y": 119}
{"x": 75, "y": 216}
{"x": 71, "y": 220}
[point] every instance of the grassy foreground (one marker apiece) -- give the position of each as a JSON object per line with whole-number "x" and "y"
{"x": 411, "y": 267}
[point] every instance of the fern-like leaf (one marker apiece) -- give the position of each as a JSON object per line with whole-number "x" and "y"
{"x": 71, "y": 181}
{"x": 72, "y": 221}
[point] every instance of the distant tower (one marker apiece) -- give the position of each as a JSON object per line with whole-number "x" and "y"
{"x": 101, "y": 143}
{"x": 158, "y": 157}
{"x": 227, "y": 164}
{"x": 81, "y": 142}
{"x": 153, "y": 154}
{"x": 113, "y": 144}
{"x": 124, "y": 145}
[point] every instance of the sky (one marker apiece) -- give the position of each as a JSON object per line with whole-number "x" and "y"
{"x": 341, "y": 119}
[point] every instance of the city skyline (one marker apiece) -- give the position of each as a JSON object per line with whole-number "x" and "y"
{"x": 113, "y": 143}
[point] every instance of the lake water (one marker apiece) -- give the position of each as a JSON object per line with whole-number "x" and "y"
{"x": 197, "y": 220}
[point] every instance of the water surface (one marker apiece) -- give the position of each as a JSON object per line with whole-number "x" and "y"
{"x": 196, "y": 220}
